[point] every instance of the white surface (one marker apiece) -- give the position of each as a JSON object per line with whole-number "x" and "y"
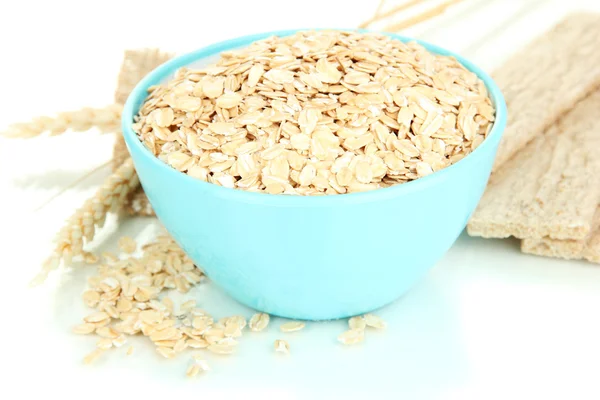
{"x": 488, "y": 322}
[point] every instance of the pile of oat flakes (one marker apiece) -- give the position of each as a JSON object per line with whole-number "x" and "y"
{"x": 129, "y": 296}
{"x": 318, "y": 112}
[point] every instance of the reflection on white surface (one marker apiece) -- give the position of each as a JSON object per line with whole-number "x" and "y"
{"x": 485, "y": 315}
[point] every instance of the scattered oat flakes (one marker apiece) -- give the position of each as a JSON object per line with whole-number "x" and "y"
{"x": 125, "y": 295}
{"x": 258, "y": 322}
{"x": 352, "y": 336}
{"x": 84, "y": 329}
{"x": 180, "y": 345}
{"x": 198, "y": 359}
{"x": 168, "y": 303}
{"x": 197, "y": 343}
{"x": 97, "y": 317}
{"x": 119, "y": 340}
{"x": 104, "y": 344}
{"x": 93, "y": 356}
{"x": 228, "y": 341}
{"x": 166, "y": 352}
{"x": 107, "y": 332}
{"x": 127, "y": 244}
{"x": 292, "y": 326}
{"x": 188, "y": 306}
{"x": 281, "y": 346}
{"x": 192, "y": 370}
{"x": 220, "y": 348}
{"x": 374, "y": 321}
{"x": 357, "y": 323}
{"x": 232, "y": 330}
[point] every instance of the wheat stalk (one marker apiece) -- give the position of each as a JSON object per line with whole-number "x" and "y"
{"x": 379, "y": 8}
{"x": 424, "y": 16}
{"x": 106, "y": 119}
{"x": 81, "y": 227}
{"x": 391, "y": 12}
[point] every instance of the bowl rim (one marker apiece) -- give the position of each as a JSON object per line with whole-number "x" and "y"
{"x": 139, "y": 93}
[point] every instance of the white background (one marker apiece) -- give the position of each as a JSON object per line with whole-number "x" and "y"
{"x": 488, "y": 322}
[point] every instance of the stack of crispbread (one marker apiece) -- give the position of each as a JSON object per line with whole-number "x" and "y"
{"x": 546, "y": 183}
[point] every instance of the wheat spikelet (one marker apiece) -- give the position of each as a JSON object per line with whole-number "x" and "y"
{"x": 106, "y": 119}
{"x": 81, "y": 227}
{"x": 426, "y": 15}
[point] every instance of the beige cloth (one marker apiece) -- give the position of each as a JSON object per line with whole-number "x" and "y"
{"x": 136, "y": 64}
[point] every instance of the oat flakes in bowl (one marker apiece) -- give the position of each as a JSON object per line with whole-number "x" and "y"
{"x": 307, "y": 257}
{"x": 325, "y": 112}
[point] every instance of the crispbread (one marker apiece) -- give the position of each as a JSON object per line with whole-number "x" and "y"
{"x": 588, "y": 248}
{"x": 551, "y": 188}
{"x": 136, "y": 64}
{"x": 547, "y": 78}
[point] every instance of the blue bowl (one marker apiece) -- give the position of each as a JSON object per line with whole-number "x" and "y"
{"x": 319, "y": 257}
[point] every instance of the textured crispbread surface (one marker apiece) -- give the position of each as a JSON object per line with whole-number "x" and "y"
{"x": 588, "y": 248}
{"x": 551, "y": 188}
{"x": 547, "y": 78}
{"x": 136, "y": 64}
